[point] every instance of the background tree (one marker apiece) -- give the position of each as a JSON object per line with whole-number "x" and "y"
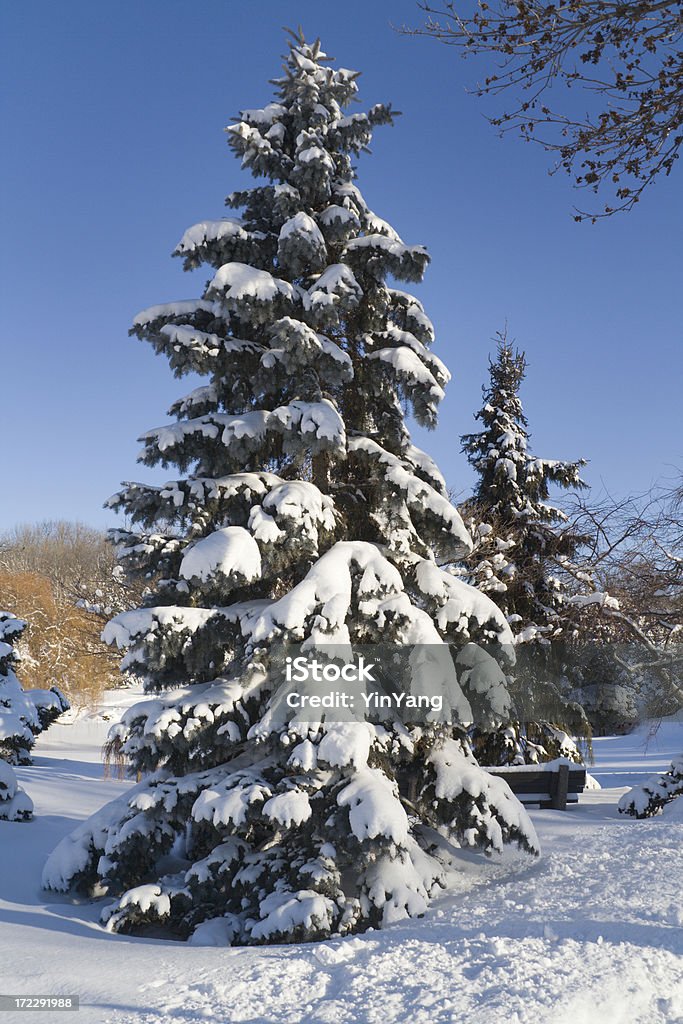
{"x": 23, "y": 714}
{"x": 304, "y": 514}
{"x": 76, "y": 559}
{"x": 626, "y": 56}
{"x": 635, "y": 555}
{"x": 512, "y": 499}
{"x": 63, "y": 578}
{"x": 523, "y": 558}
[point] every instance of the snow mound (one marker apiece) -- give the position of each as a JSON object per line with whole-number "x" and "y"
{"x": 230, "y": 551}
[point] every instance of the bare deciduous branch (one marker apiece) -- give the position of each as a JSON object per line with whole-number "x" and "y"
{"x": 625, "y": 53}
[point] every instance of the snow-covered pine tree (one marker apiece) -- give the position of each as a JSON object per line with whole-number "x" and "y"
{"x": 305, "y": 515}
{"x": 23, "y": 714}
{"x": 511, "y": 498}
{"x": 16, "y": 716}
{"x": 523, "y": 558}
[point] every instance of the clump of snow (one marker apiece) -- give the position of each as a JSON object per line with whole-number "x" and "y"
{"x": 299, "y": 500}
{"x": 302, "y": 224}
{"x": 385, "y": 243}
{"x": 263, "y": 115}
{"x": 287, "y": 912}
{"x": 168, "y": 310}
{"x": 217, "y": 931}
{"x": 345, "y": 743}
{"x": 237, "y": 282}
{"x": 249, "y": 426}
{"x": 375, "y": 225}
{"x": 410, "y": 312}
{"x": 318, "y": 421}
{"x": 374, "y": 807}
{"x": 336, "y": 286}
{"x": 211, "y": 231}
{"x": 290, "y": 808}
{"x": 229, "y": 551}
{"x": 127, "y": 627}
{"x": 597, "y": 597}
{"x": 425, "y": 465}
{"x": 231, "y": 799}
{"x": 326, "y": 591}
{"x": 316, "y": 155}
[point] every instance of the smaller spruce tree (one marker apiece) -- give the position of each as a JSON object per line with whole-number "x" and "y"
{"x": 523, "y": 559}
{"x": 23, "y": 714}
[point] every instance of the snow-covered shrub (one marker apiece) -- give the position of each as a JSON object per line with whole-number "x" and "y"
{"x": 303, "y": 515}
{"x": 23, "y": 714}
{"x": 14, "y": 804}
{"x": 647, "y": 799}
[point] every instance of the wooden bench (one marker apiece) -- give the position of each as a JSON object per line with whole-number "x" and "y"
{"x": 551, "y": 785}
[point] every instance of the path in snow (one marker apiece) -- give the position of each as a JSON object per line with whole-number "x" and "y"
{"x": 594, "y": 931}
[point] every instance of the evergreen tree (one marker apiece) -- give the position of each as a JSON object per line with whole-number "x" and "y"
{"x": 305, "y": 515}
{"x": 523, "y": 558}
{"x": 23, "y": 714}
{"x": 512, "y": 498}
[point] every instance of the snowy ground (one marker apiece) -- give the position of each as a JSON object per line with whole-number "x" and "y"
{"x": 593, "y": 932}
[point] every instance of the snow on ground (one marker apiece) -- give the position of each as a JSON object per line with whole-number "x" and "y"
{"x": 629, "y": 760}
{"x": 592, "y": 932}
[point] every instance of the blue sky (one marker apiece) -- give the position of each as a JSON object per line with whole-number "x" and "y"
{"x": 113, "y": 118}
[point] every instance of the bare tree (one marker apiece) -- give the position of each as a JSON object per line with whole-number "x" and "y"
{"x": 78, "y": 560}
{"x": 636, "y": 556}
{"x": 63, "y": 578}
{"x": 625, "y": 53}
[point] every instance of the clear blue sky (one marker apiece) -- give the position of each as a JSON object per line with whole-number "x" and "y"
{"x": 113, "y": 144}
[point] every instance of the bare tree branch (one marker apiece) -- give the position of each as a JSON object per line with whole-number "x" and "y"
{"x": 625, "y": 53}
